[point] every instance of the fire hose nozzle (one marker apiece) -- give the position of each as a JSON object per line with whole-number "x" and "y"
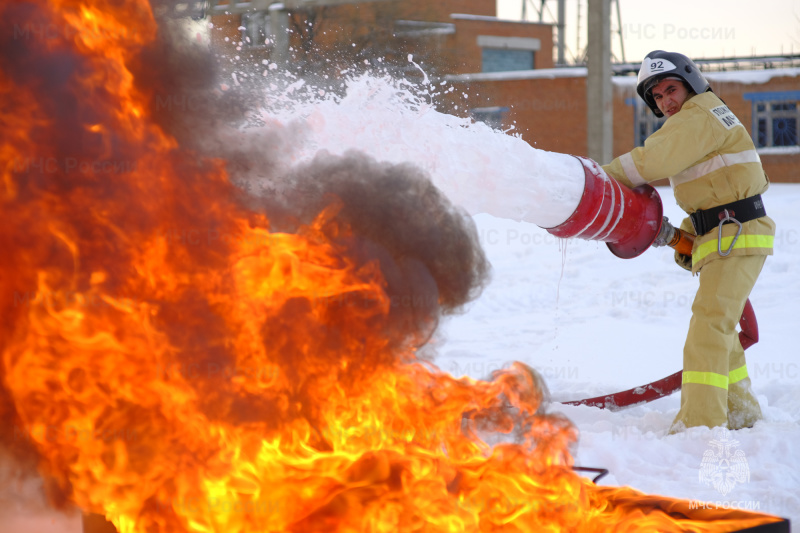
{"x": 665, "y": 235}
{"x": 676, "y": 238}
{"x": 627, "y": 220}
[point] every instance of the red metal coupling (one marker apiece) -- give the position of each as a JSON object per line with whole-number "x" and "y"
{"x": 627, "y": 220}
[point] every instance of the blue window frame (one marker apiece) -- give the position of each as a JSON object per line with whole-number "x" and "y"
{"x": 776, "y": 117}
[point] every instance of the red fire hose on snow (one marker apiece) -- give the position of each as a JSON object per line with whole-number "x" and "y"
{"x": 629, "y": 221}
{"x": 748, "y": 336}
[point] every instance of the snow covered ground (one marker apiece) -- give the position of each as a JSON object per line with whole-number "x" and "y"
{"x": 594, "y": 324}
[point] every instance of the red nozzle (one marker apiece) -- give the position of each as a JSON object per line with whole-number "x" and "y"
{"x": 627, "y": 220}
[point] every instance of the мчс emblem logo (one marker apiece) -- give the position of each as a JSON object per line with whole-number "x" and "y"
{"x": 723, "y": 465}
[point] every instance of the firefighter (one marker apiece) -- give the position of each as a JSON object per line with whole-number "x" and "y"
{"x": 717, "y": 178}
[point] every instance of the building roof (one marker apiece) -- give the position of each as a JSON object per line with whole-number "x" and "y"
{"x": 732, "y": 76}
{"x": 467, "y": 16}
{"x": 542, "y": 73}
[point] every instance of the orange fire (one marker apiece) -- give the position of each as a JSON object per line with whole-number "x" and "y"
{"x": 181, "y": 367}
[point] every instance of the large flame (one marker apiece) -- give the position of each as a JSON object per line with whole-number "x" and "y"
{"x": 180, "y": 366}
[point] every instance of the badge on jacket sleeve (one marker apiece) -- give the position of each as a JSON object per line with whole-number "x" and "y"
{"x": 726, "y": 116}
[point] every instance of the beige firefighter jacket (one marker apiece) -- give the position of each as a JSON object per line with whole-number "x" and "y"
{"x": 710, "y": 160}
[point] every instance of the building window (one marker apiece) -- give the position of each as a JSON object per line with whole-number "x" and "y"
{"x": 645, "y": 122}
{"x": 255, "y": 29}
{"x": 507, "y": 54}
{"x": 499, "y": 60}
{"x": 776, "y": 124}
{"x": 491, "y": 116}
{"x": 776, "y": 116}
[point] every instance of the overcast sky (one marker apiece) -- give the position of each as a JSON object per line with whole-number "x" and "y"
{"x": 697, "y": 28}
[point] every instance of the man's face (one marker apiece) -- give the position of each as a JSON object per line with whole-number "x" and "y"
{"x": 669, "y": 96}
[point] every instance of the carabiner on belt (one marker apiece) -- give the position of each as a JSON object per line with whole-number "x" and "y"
{"x": 727, "y": 218}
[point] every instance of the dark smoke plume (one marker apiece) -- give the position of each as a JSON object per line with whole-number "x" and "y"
{"x": 428, "y": 248}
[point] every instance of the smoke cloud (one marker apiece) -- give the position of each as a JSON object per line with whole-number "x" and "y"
{"x": 427, "y": 247}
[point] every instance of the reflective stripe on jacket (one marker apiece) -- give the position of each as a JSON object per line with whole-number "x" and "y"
{"x": 710, "y": 160}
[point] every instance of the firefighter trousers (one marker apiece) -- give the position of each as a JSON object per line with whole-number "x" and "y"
{"x": 716, "y": 388}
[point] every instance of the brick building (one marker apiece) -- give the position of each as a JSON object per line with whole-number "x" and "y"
{"x": 507, "y": 69}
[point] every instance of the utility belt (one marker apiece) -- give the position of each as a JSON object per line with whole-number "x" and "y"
{"x": 745, "y": 210}
{"x": 737, "y": 212}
